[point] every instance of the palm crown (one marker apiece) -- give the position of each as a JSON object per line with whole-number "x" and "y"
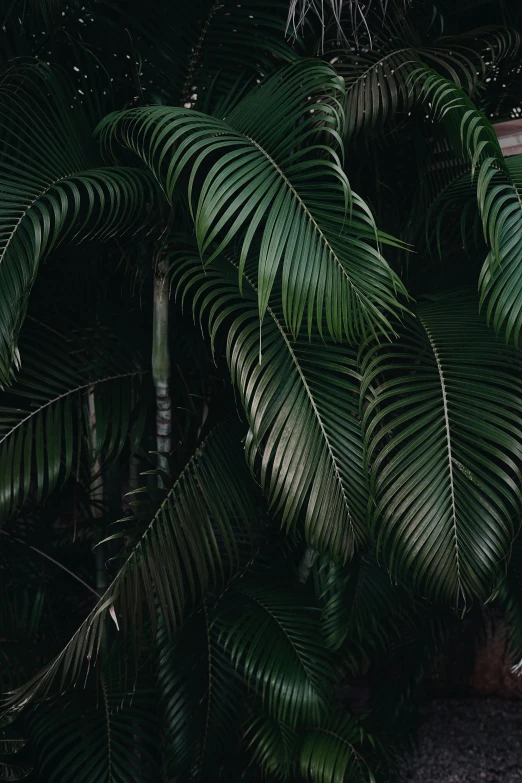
{"x": 320, "y": 461}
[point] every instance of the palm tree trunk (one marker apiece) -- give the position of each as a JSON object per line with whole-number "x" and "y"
{"x": 161, "y": 365}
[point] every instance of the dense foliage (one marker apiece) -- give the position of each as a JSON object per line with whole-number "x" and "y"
{"x": 261, "y": 406}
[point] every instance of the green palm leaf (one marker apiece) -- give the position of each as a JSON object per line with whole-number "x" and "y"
{"x": 301, "y": 402}
{"x": 467, "y": 59}
{"x": 362, "y": 608}
{"x": 443, "y": 436}
{"x": 380, "y": 79}
{"x": 274, "y": 641}
{"x": 42, "y": 423}
{"x": 52, "y": 187}
{"x": 378, "y": 87}
{"x": 194, "y": 541}
{"x": 498, "y": 183}
{"x": 332, "y": 753}
{"x": 271, "y": 170}
{"x": 202, "y": 698}
{"x": 273, "y": 745}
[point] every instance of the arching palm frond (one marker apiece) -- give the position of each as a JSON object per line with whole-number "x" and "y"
{"x": 498, "y": 183}
{"x": 443, "y": 435}
{"x": 52, "y": 186}
{"x": 301, "y": 400}
{"x": 271, "y": 170}
{"x": 380, "y": 80}
{"x": 255, "y": 46}
{"x": 193, "y": 542}
{"x": 378, "y": 87}
{"x": 468, "y": 58}
{"x": 43, "y": 430}
{"x": 274, "y": 640}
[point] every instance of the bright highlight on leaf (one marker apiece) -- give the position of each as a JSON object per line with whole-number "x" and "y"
{"x": 278, "y": 180}
{"x": 443, "y": 432}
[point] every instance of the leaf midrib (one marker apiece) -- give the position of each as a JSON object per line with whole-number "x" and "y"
{"x": 311, "y": 218}
{"x": 311, "y": 400}
{"x": 449, "y": 449}
{"x": 52, "y": 401}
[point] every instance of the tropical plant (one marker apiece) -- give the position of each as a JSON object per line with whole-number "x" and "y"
{"x": 261, "y": 407}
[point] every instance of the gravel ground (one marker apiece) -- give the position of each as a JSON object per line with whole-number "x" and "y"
{"x": 468, "y": 741}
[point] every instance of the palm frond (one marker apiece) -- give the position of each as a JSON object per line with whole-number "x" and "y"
{"x": 301, "y": 402}
{"x": 331, "y": 753}
{"x": 202, "y": 698}
{"x": 98, "y": 735}
{"x": 271, "y": 170}
{"x": 467, "y": 59}
{"x": 362, "y": 608}
{"x": 274, "y": 640}
{"x": 52, "y": 187}
{"x": 382, "y": 83}
{"x": 378, "y": 86}
{"x": 193, "y": 542}
{"x": 273, "y": 745}
{"x": 42, "y": 426}
{"x": 498, "y": 181}
{"x": 442, "y": 431}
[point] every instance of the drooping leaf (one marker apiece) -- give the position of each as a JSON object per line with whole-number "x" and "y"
{"x": 52, "y": 187}
{"x": 271, "y": 170}
{"x": 443, "y": 436}
{"x": 498, "y": 180}
{"x": 274, "y": 641}
{"x": 42, "y": 425}
{"x": 194, "y": 542}
{"x": 301, "y": 400}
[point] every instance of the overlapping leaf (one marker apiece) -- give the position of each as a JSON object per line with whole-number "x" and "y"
{"x": 42, "y": 423}
{"x": 273, "y": 745}
{"x": 274, "y": 640}
{"x": 498, "y": 183}
{"x": 443, "y": 435}
{"x": 380, "y": 77}
{"x": 194, "y": 542}
{"x": 271, "y": 170}
{"x": 332, "y": 753}
{"x": 301, "y": 402}
{"x": 52, "y": 186}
